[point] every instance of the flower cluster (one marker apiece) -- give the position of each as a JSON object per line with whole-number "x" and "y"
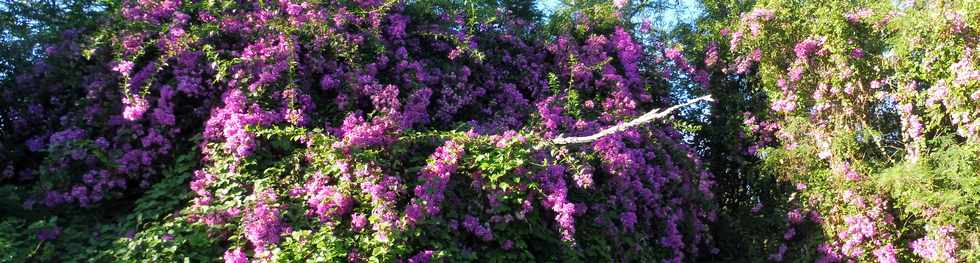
{"x": 884, "y": 76}
{"x": 941, "y": 248}
{"x": 553, "y": 185}
{"x": 435, "y": 176}
{"x": 263, "y": 226}
{"x": 809, "y": 47}
{"x": 325, "y": 201}
{"x": 282, "y": 109}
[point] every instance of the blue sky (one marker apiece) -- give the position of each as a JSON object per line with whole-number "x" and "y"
{"x": 685, "y": 10}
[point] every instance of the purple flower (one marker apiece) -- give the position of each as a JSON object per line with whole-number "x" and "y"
{"x": 455, "y": 53}
{"x": 761, "y": 14}
{"x": 796, "y": 73}
{"x": 857, "y": 53}
{"x": 262, "y": 225}
{"x": 860, "y": 229}
{"x": 368, "y": 3}
{"x": 53, "y": 198}
{"x": 65, "y": 136}
{"x": 188, "y": 73}
{"x": 51, "y": 233}
{"x": 80, "y": 193}
{"x": 755, "y": 17}
{"x": 326, "y": 201}
{"x": 736, "y": 38}
{"x": 937, "y": 93}
{"x": 396, "y": 29}
{"x": 628, "y": 219}
{"x": 354, "y": 256}
{"x": 629, "y": 53}
{"x": 583, "y": 178}
{"x": 473, "y": 225}
{"x": 507, "y": 138}
{"x": 794, "y": 216}
{"x": 435, "y": 176}
{"x": 385, "y": 99}
{"x": 131, "y": 44}
{"x": 553, "y": 183}
{"x": 328, "y": 82}
{"x": 711, "y": 55}
{"x": 35, "y": 144}
{"x": 358, "y": 133}
{"x": 235, "y": 256}
{"x": 913, "y": 126}
{"x": 551, "y": 115}
{"x": 778, "y": 256}
{"x": 507, "y": 244}
{"x": 829, "y": 254}
{"x": 742, "y": 65}
{"x": 422, "y": 257}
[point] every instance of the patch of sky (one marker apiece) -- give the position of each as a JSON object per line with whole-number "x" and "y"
{"x": 675, "y": 12}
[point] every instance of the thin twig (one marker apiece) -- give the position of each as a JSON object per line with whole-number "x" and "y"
{"x": 36, "y": 248}
{"x": 645, "y": 118}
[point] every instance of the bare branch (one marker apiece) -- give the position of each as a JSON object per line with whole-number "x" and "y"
{"x": 645, "y": 118}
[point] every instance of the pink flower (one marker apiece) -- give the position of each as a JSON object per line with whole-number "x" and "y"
{"x": 235, "y": 256}
{"x": 620, "y": 4}
{"x": 123, "y": 67}
{"x": 856, "y": 16}
{"x": 736, "y": 38}
{"x": 809, "y": 47}
{"x": 358, "y": 221}
{"x": 135, "y": 106}
{"x": 795, "y": 216}
{"x": 886, "y": 254}
{"x": 942, "y": 247}
{"x": 711, "y": 56}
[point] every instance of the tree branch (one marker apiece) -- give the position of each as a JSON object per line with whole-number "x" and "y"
{"x": 643, "y": 119}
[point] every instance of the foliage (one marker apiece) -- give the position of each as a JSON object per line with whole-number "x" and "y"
{"x": 869, "y": 126}
{"x": 385, "y": 130}
{"x": 348, "y": 130}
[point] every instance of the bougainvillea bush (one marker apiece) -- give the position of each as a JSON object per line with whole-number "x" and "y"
{"x": 456, "y": 131}
{"x": 348, "y": 131}
{"x": 865, "y": 147}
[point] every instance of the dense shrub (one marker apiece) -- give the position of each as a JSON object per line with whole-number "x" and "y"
{"x": 350, "y": 130}
{"x": 394, "y": 131}
{"x": 866, "y": 150}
